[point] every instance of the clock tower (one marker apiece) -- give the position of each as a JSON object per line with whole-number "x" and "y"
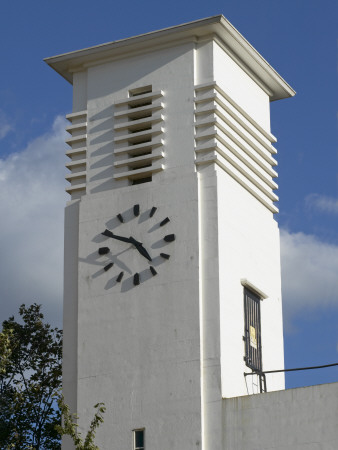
{"x": 172, "y": 262}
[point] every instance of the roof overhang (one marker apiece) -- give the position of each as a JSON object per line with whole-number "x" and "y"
{"x": 216, "y": 27}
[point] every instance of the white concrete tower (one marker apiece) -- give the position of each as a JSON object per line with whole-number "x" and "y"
{"x": 172, "y": 271}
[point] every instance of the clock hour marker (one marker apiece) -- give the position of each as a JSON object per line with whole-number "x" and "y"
{"x": 136, "y": 210}
{"x": 107, "y": 233}
{"x": 120, "y": 276}
{"x": 136, "y": 279}
{"x": 120, "y": 217}
{"x": 164, "y": 221}
{"x": 104, "y": 250}
{"x": 169, "y": 238}
{"x": 153, "y": 211}
{"x": 165, "y": 255}
{"x": 108, "y": 266}
{"x": 152, "y": 270}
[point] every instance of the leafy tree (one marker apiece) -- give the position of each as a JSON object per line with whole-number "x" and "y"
{"x": 5, "y": 350}
{"x": 69, "y": 426}
{"x": 30, "y": 376}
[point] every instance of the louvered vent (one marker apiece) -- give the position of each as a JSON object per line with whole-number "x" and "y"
{"x": 77, "y": 153}
{"x": 227, "y": 136}
{"x": 138, "y": 136}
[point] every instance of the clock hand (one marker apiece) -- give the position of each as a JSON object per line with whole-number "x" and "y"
{"x": 140, "y": 248}
{"x": 115, "y": 236}
{"x": 143, "y": 252}
{"x": 130, "y": 240}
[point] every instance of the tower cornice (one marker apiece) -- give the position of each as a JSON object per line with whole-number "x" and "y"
{"x": 216, "y": 28}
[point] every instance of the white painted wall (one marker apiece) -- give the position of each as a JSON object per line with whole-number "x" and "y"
{"x": 239, "y": 240}
{"x": 170, "y": 70}
{"x": 209, "y": 310}
{"x": 297, "y": 419}
{"x": 70, "y": 309}
{"x": 241, "y": 87}
{"x": 204, "y": 62}
{"x": 163, "y": 354}
{"x": 248, "y": 249}
{"x": 139, "y": 346}
{"x": 80, "y": 91}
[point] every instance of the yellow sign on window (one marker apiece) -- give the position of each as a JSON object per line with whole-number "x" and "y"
{"x": 253, "y": 339}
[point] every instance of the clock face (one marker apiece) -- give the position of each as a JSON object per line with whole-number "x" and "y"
{"x": 137, "y": 245}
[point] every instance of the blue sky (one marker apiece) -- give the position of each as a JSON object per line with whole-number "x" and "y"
{"x": 297, "y": 37}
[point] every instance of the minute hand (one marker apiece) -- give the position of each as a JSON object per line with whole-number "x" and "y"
{"x": 115, "y": 236}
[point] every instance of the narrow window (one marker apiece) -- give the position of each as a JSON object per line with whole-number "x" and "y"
{"x": 252, "y": 330}
{"x": 141, "y": 180}
{"x": 141, "y": 166}
{"x": 134, "y": 93}
{"x": 138, "y": 439}
{"x": 140, "y": 91}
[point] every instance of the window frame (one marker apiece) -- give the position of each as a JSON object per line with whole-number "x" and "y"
{"x": 135, "y": 431}
{"x": 252, "y": 330}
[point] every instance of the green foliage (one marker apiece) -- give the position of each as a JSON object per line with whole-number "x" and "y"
{"x": 70, "y": 426}
{"x": 5, "y": 350}
{"x": 30, "y": 376}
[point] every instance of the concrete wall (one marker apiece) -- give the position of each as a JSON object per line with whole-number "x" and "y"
{"x": 239, "y": 239}
{"x": 138, "y": 347}
{"x": 169, "y": 70}
{"x": 209, "y": 310}
{"x": 296, "y": 419}
{"x": 162, "y": 355}
{"x": 241, "y": 87}
{"x": 248, "y": 249}
{"x": 70, "y": 306}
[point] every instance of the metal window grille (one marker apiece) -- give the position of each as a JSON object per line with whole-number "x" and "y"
{"x": 138, "y": 439}
{"x": 252, "y": 331}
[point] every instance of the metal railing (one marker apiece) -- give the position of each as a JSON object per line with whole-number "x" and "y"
{"x": 262, "y": 378}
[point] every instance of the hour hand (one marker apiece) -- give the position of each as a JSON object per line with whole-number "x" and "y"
{"x": 115, "y": 236}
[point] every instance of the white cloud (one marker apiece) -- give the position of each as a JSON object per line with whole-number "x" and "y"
{"x": 309, "y": 273}
{"x": 322, "y": 203}
{"x": 32, "y": 199}
{"x": 5, "y": 126}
